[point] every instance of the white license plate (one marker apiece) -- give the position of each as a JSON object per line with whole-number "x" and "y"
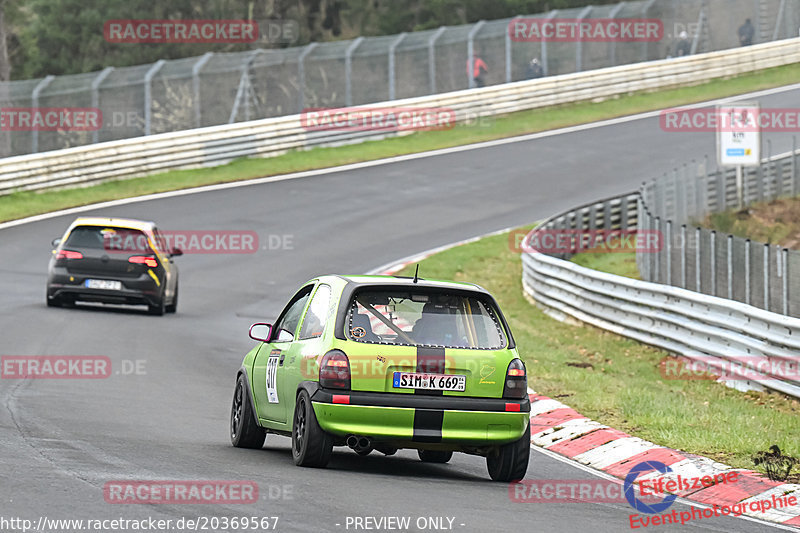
{"x": 412, "y": 380}
{"x": 106, "y": 284}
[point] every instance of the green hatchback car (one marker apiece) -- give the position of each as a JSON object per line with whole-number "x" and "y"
{"x": 382, "y": 363}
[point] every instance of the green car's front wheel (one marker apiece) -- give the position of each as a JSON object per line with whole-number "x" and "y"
{"x": 310, "y": 445}
{"x": 245, "y": 433}
{"x": 510, "y": 463}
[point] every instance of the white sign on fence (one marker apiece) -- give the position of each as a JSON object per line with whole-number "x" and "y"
{"x": 739, "y": 135}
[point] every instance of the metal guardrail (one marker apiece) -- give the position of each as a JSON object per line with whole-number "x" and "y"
{"x": 715, "y": 330}
{"x": 269, "y": 137}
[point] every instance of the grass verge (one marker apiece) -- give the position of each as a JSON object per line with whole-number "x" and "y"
{"x": 24, "y": 204}
{"x": 617, "y": 380}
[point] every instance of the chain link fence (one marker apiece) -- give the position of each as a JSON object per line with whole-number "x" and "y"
{"x": 759, "y": 274}
{"x": 222, "y": 88}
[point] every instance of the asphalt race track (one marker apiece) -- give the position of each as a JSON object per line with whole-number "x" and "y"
{"x": 62, "y": 440}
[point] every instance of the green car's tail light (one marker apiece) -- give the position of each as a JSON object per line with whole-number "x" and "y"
{"x": 334, "y": 371}
{"x": 516, "y": 380}
{"x": 143, "y": 260}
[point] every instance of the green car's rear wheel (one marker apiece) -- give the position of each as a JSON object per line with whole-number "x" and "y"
{"x": 434, "y": 456}
{"x": 310, "y": 445}
{"x": 510, "y": 463}
{"x": 245, "y": 433}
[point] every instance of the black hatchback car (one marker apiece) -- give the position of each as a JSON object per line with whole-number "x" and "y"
{"x": 115, "y": 261}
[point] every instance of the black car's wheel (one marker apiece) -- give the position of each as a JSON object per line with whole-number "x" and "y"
{"x": 434, "y": 456}
{"x": 171, "y": 308}
{"x": 510, "y": 462}
{"x": 310, "y": 445}
{"x": 159, "y": 308}
{"x": 245, "y": 432}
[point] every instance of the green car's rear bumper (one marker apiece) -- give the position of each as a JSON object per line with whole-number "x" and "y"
{"x": 421, "y": 418}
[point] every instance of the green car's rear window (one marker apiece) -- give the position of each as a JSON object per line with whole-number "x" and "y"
{"x": 424, "y": 319}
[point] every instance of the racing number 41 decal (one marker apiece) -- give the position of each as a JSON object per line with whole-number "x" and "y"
{"x": 272, "y": 374}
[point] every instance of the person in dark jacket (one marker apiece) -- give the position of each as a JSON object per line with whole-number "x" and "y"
{"x": 746, "y": 33}
{"x": 534, "y": 70}
{"x": 684, "y": 47}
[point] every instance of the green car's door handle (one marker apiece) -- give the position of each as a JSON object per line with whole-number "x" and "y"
{"x": 283, "y": 356}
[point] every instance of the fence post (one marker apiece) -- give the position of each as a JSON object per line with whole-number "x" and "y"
{"x": 392, "y": 49}
{"x": 348, "y": 71}
{"x": 432, "y": 58}
{"x": 35, "y": 104}
{"x": 196, "y": 68}
{"x": 301, "y": 76}
{"x": 579, "y": 43}
{"x": 785, "y": 291}
{"x": 645, "y": 44}
{"x": 657, "y": 258}
{"x": 509, "y": 44}
{"x": 148, "y": 95}
{"x": 730, "y": 267}
{"x": 613, "y": 16}
{"x": 766, "y": 277}
{"x": 544, "y": 45}
{"x": 669, "y": 252}
{"x": 95, "y": 88}
{"x": 713, "y": 261}
{"x": 683, "y": 256}
{"x": 747, "y": 271}
{"x": 781, "y": 14}
{"x": 794, "y": 165}
{"x": 701, "y": 20}
{"x": 243, "y": 92}
{"x": 697, "y": 254}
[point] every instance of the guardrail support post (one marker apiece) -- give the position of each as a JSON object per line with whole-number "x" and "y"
{"x": 669, "y": 253}
{"x": 785, "y": 272}
{"x": 35, "y": 104}
{"x": 301, "y": 76}
{"x": 794, "y": 165}
{"x": 713, "y": 260}
{"x": 348, "y": 71}
{"x": 657, "y": 262}
{"x": 196, "y": 68}
{"x": 95, "y": 88}
{"x": 392, "y": 75}
{"x": 432, "y": 58}
{"x": 148, "y": 95}
{"x": 471, "y": 51}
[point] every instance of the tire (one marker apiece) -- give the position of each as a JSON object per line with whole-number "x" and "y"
{"x": 510, "y": 462}
{"x": 173, "y": 307}
{"x": 310, "y": 445}
{"x": 245, "y": 432}
{"x": 159, "y": 309}
{"x": 434, "y": 456}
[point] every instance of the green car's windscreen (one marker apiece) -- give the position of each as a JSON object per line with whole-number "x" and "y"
{"x": 424, "y": 319}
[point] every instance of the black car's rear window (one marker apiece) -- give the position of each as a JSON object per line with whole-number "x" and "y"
{"x": 110, "y": 238}
{"x": 424, "y": 319}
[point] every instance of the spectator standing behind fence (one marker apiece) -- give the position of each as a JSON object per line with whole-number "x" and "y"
{"x": 683, "y": 48}
{"x": 534, "y": 70}
{"x": 474, "y": 67}
{"x": 746, "y": 33}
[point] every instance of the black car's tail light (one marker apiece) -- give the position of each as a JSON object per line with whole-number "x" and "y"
{"x": 334, "y": 370}
{"x": 516, "y": 380}
{"x": 143, "y": 260}
{"x": 68, "y": 254}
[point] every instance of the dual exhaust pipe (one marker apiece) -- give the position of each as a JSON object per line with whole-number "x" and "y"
{"x": 359, "y": 444}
